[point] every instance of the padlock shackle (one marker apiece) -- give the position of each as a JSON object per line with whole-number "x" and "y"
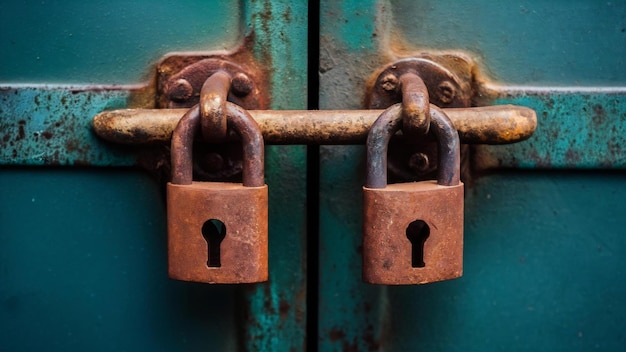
{"x": 253, "y": 173}
{"x": 389, "y": 122}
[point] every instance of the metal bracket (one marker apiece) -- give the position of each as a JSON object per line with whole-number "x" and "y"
{"x": 180, "y": 79}
{"x": 448, "y": 79}
{"x": 179, "y": 82}
{"x": 447, "y": 89}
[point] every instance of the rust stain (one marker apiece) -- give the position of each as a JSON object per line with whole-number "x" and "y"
{"x": 370, "y": 340}
{"x": 599, "y": 116}
{"x": 350, "y": 347}
{"x": 336, "y": 334}
{"x": 21, "y": 132}
{"x": 284, "y": 308}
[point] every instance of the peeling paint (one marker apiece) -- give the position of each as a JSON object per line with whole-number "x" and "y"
{"x": 52, "y": 126}
{"x": 575, "y": 129}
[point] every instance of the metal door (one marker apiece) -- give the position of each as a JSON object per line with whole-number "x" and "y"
{"x": 82, "y": 236}
{"x": 544, "y": 228}
{"x": 82, "y": 225}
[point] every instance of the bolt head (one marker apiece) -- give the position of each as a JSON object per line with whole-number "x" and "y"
{"x": 389, "y": 83}
{"x": 180, "y": 90}
{"x": 419, "y": 162}
{"x": 446, "y": 92}
{"x": 241, "y": 85}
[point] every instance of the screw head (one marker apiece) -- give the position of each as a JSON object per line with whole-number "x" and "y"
{"x": 446, "y": 92}
{"x": 389, "y": 83}
{"x": 419, "y": 162}
{"x": 241, "y": 85}
{"x": 180, "y": 90}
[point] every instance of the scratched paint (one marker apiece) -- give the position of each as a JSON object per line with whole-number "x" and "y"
{"x": 276, "y": 309}
{"x": 41, "y": 125}
{"x": 57, "y": 131}
{"x": 575, "y": 129}
{"x": 542, "y": 260}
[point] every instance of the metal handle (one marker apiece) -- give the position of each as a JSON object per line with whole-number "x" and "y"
{"x": 500, "y": 124}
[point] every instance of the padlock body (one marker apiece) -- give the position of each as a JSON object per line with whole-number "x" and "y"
{"x": 388, "y": 256}
{"x": 243, "y": 250}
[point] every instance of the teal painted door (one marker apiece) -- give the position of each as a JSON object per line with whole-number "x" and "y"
{"x": 82, "y": 227}
{"x": 544, "y": 266}
{"x": 83, "y": 262}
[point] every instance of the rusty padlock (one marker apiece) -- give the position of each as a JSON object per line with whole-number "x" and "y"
{"x": 413, "y": 232}
{"x": 217, "y": 231}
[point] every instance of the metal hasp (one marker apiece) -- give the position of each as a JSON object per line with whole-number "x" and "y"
{"x": 213, "y": 81}
{"x": 182, "y": 79}
{"x": 443, "y": 80}
{"x": 412, "y": 232}
{"x": 416, "y": 82}
{"x": 501, "y": 124}
{"x": 218, "y": 232}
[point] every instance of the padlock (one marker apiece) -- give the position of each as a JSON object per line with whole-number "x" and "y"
{"x": 412, "y": 232}
{"x": 217, "y": 231}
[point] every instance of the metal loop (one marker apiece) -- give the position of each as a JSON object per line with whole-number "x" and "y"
{"x": 389, "y": 122}
{"x": 239, "y": 119}
{"x": 253, "y": 173}
{"x": 415, "y": 105}
{"x": 448, "y": 148}
{"x": 213, "y": 99}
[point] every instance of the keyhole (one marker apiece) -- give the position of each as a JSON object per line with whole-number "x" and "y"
{"x": 213, "y": 232}
{"x": 417, "y": 232}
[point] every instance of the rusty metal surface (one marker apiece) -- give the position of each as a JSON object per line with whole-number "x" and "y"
{"x": 415, "y": 105}
{"x": 213, "y": 98}
{"x": 390, "y": 210}
{"x": 241, "y": 208}
{"x": 243, "y": 251}
{"x": 241, "y": 122}
{"x": 389, "y": 122}
{"x": 446, "y": 88}
{"x": 501, "y": 124}
{"x": 180, "y": 79}
{"x": 445, "y": 80}
{"x": 387, "y": 257}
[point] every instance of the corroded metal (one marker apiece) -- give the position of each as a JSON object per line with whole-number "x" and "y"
{"x": 180, "y": 80}
{"x": 388, "y": 124}
{"x": 415, "y": 105}
{"x": 192, "y": 208}
{"x": 213, "y": 98}
{"x": 243, "y": 251}
{"x": 502, "y": 124}
{"x": 391, "y": 212}
{"x": 445, "y": 88}
{"x": 242, "y": 123}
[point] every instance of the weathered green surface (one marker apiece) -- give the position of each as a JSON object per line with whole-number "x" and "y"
{"x": 52, "y": 126}
{"x": 83, "y": 267}
{"x": 543, "y": 251}
{"x": 106, "y": 42}
{"x": 349, "y": 318}
{"x": 544, "y": 271}
{"x": 530, "y": 42}
{"x": 576, "y": 129}
{"x": 277, "y": 319}
{"x": 116, "y": 295}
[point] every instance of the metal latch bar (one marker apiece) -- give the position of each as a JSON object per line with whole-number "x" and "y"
{"x": 500, "y": 124}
